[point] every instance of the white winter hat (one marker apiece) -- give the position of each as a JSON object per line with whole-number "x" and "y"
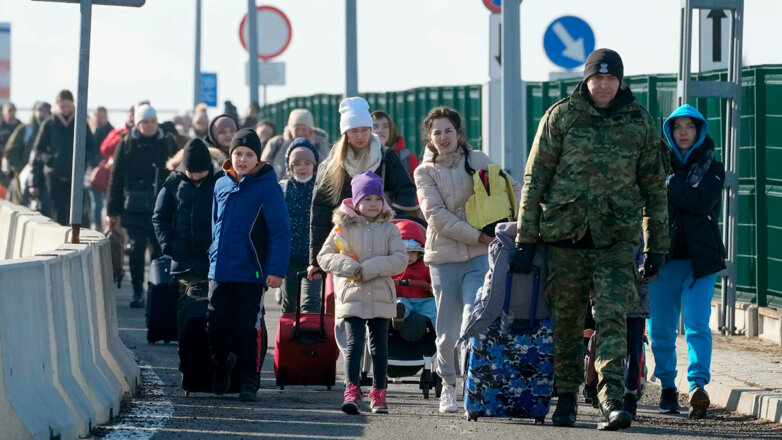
{"x": 301, "y": 116}
{"x": 144, "y": 111}
{"x": 354, "y": 113}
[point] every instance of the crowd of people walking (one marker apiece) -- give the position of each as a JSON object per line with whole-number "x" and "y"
{"x": 626, "y": 219}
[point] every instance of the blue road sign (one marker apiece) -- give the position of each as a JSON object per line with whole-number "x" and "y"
{"x": 568, "y": 41}
{"x": 209, "y": 89}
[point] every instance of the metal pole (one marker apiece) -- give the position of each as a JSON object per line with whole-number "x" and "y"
{"x": 514, "y": 147}
{"x": 351, "y": 50}
{"x": 197, "y": 64}
{"x": 252, "y": 47}
{"x": 80, "y": 123}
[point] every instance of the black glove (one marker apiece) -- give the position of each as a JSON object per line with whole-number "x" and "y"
{"x": 521, "y": 258}
{"x": 653, "y": 261}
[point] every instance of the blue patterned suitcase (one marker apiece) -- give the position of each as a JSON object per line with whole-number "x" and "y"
{"x": 510, "y": 369}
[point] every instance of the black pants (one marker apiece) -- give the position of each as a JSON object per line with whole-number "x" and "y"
{"x": 57, "y": 203}
{"x": 141, "y": 234}
{"x": 232, "y": 325}
{"x": 635, "y": 344}
{"x": 378, "y": 346}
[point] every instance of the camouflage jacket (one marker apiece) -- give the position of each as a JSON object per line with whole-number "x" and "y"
{"x": 589, "y": 171}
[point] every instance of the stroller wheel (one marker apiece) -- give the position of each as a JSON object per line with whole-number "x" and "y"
{"x": 471, "y": 417}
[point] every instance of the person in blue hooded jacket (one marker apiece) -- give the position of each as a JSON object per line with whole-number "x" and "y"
{"x": 686, "y": 282}
{"x": 250, "y": 252}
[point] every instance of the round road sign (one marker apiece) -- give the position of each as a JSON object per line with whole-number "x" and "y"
{"x": 493, "y": 5}
{"x": 274, "y": 32}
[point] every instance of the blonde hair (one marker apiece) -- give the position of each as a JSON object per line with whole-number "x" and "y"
{"x": 332, "y": 177}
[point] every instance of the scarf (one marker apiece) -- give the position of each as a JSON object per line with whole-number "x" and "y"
{"x": 358, "y": 163}
{"x": 700, "y": 168}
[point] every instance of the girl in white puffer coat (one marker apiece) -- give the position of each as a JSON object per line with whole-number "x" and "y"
{"x": 363, "y": 252}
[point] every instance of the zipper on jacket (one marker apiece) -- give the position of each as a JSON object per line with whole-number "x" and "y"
{"x": 252, "y": 245}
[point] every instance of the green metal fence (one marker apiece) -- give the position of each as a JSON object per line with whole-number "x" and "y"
{"x": 408, "y": 108}
{"x": 759, "y": 235}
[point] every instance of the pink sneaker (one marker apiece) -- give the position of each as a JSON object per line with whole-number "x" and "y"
{"x": 352, "y": 399}
{"x": 377, "y": 401}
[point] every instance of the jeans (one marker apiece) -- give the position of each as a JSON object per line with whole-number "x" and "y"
{"x": 233, "y": 321}
{"x": 455, "y": 286}
{"x": 96, "y": 207}
{"x": 422, "y": 306}
{"x": 378, "y": 346}
{"x": 310, "y": 291}
{"x": 674, "y": 292}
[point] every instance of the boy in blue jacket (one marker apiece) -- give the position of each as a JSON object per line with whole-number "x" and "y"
{"x": 250, "y": 252}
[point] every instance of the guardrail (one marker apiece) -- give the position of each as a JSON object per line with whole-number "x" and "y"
{"x": 63, "y": 366}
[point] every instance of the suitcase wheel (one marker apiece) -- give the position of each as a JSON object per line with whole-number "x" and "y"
{"x": 472, "y": 417}
{"x": 540, "y": 420}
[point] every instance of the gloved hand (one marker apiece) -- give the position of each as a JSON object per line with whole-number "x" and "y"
{"x": 653, "y": 261}
{"x": 521, "y": 258}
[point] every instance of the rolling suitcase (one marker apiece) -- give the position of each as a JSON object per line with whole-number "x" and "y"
{"x": 510, "y": 369}
{"x": 195, "y": 361}
{"x": 162, "y": 296}
{"x": 305, "y": 352}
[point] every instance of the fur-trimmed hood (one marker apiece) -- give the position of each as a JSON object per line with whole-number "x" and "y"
{"x": 175, "y": 162}
{"x": 347, "y": 214}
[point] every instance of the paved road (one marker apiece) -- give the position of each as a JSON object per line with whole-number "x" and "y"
{"x": 162, "y": 411}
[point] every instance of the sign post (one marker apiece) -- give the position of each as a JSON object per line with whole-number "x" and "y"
{"x": 351, "y": 50}
{"x": 80, "y": 124}
{"x": 513, "y": 141}
{"x": 208, "y": 90}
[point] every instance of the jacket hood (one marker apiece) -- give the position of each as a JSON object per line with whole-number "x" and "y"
{"x": 217, "y": 158}
{"x": 208, "y": 137}
{"x": 411, "y": 230}
{"x": 305, "y": 143}
{"x": 347, "y": 213}
{"x": 261, "y": 171}
{"x": 400, "y": 143}
{"x": 703, "y": 126}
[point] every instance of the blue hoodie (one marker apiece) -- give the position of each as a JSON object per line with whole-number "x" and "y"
{"x": 703, "y": 126}
{"x": 250, "y": 227}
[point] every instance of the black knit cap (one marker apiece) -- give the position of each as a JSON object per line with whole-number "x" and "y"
{"x": 246, "y": 138}
{"x": 196, "y": 156}
{"x": 604, "y": 61}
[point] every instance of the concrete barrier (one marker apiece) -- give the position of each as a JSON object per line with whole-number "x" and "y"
{"x": 63, "y": 368}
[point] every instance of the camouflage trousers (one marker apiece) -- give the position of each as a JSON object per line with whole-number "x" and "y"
{"x": 607, "y": 274}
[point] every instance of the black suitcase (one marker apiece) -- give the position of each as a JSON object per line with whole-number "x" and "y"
{"x": 162, "y": 296}
{"x": 195, "y": 361}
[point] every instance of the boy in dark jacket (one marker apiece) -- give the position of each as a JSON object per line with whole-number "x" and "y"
{"x": 250, "y": 252}
{"x": 182, "y": 220}
{"x": 302, "y": 160}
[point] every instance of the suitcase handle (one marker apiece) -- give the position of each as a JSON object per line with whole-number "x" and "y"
{"x": 299, "y": 278}
{"x": 533, "y": 303}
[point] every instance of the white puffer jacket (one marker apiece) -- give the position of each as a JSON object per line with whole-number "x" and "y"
{"x": 443, "y": 187}
{"x": 380, "y": 254}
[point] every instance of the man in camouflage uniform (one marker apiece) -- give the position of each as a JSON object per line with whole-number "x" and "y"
{"x": 593, "y": 172}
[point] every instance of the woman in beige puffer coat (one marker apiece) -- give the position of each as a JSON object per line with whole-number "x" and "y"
{"x": 363, "y": 252}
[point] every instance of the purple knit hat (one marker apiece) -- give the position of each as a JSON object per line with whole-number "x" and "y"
{"x": 366, "y": 184}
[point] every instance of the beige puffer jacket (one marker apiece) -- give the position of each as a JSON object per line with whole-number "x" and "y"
{"x": 380, "y": 254}
{"x": 443, "y": 188}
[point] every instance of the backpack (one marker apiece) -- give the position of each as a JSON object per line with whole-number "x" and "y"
{"x": 491, "y": 296}
{"x": 493, "y": 200}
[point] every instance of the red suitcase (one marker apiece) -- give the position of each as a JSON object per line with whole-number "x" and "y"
{"x": 305, "y": 352}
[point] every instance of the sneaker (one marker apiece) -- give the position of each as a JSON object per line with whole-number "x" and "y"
{"x": 669, "y": 401}
{"x": 377, "y": 401}
{"x": 247, "y": 393}
{"x": 448, "y": 399}
{"x": 399, "y": 319}
{"x": 352, "y": 399}
{"x": 615, "y": 415}
{"x": 567, "y": 409}
{"x": 699, "y": 403}
{"x": 221, "y": 379}
{"x": 630, "y": 404}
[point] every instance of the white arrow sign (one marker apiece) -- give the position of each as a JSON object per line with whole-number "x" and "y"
{"x": 574, "y": 49}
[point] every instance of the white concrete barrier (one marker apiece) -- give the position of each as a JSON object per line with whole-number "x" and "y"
{"x": 63, "y": 368}
{"x": 31, "y": 385}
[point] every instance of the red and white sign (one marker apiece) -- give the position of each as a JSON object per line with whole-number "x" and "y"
{"x": 274, "y": 32}
{"x": 5, "y": 62}
{"x": 493, "y": 5}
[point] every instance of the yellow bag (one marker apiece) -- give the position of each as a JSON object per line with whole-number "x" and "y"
{"x": 493, "y": 200}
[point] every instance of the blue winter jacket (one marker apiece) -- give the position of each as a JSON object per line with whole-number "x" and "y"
{"x": 250, "y": 227}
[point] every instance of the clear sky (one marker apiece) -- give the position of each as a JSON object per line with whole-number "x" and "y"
{"x": 147, "y": 53}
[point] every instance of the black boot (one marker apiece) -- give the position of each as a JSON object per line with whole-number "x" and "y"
{"x": 567, "y": 409}
{"x": 221, "y": 379}
{"x": 616, "y": 417}
{"x": 138, "y": 298}
{"x": 630, "y": 404}
{"x": 669, "y": 401}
